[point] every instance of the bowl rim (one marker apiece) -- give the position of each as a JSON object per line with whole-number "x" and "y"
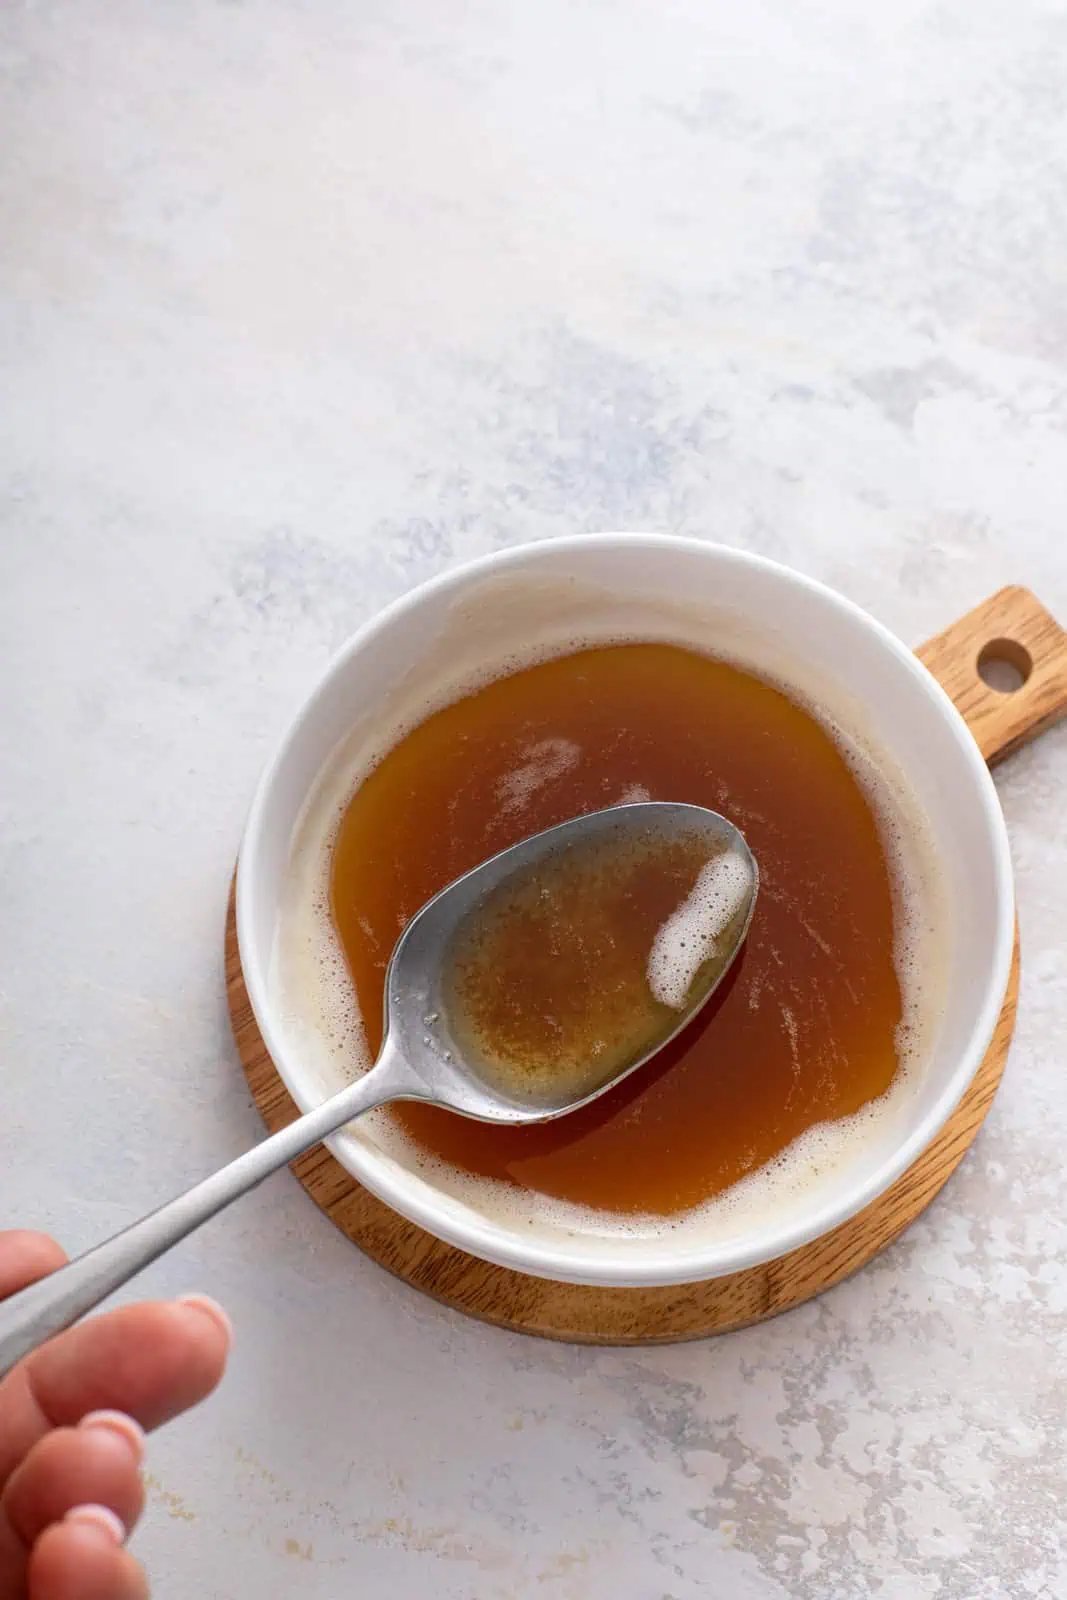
{"x": 494, "y": 1242}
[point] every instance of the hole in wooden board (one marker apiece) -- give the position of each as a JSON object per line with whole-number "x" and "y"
{"x": 1004, "y": 665}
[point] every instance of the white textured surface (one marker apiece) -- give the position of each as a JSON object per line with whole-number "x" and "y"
{"x": 302, "y": 302}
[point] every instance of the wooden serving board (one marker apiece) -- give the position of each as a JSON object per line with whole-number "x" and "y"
{"x": 1013, "y": 627}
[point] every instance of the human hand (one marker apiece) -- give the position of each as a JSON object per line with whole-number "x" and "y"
{"x": 72, "y": 1417}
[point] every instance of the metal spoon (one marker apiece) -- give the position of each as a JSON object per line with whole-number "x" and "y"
{"x": 420, "y": 1058}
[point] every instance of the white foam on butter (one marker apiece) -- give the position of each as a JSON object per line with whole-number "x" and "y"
{"x": 317, "y": 1008}
{"x": 634, "y": 794}
{"x": 543, "y": 763}
{"x": 688, "y": 937}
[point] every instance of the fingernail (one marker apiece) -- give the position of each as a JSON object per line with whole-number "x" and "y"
{"x": 119, "y": 1423}
{"x": 212, "y": 1309}
{"x": 101, "y": 1517}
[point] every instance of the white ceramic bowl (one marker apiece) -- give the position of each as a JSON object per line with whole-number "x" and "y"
{"x": 428, "y": 647}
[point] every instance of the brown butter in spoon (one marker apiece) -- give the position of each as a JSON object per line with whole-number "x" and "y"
{"x": 567, "y": 974}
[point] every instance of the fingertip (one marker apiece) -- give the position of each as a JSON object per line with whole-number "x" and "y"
{"x": 102, "y": 1518}
{"x": 79, "y": 1560}
{"x": 118, "y": 1422}
{"x": 207, "y": 1307}
{"x": 208, "y": 1335}
{"x": 31, "y": 1241}
{"x": 150, "y": 1361}
{"x": 25, "y": 1257}
{"x": 86, "y": 1474}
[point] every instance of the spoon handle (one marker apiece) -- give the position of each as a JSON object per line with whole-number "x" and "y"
{"x": 46, "y": 1308}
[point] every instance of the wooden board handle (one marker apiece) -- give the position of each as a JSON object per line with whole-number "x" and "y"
{"x": 1011, "y": 626}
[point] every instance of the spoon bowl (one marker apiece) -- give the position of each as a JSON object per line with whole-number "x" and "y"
{"x": 422, "y": 1040}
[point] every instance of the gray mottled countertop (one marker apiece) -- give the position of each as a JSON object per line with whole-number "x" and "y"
{"x": 304, "y": 300}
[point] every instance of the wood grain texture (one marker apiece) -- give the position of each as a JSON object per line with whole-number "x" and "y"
{"x": 588, "y": 1315}
{"x": 1012, "y": 625}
